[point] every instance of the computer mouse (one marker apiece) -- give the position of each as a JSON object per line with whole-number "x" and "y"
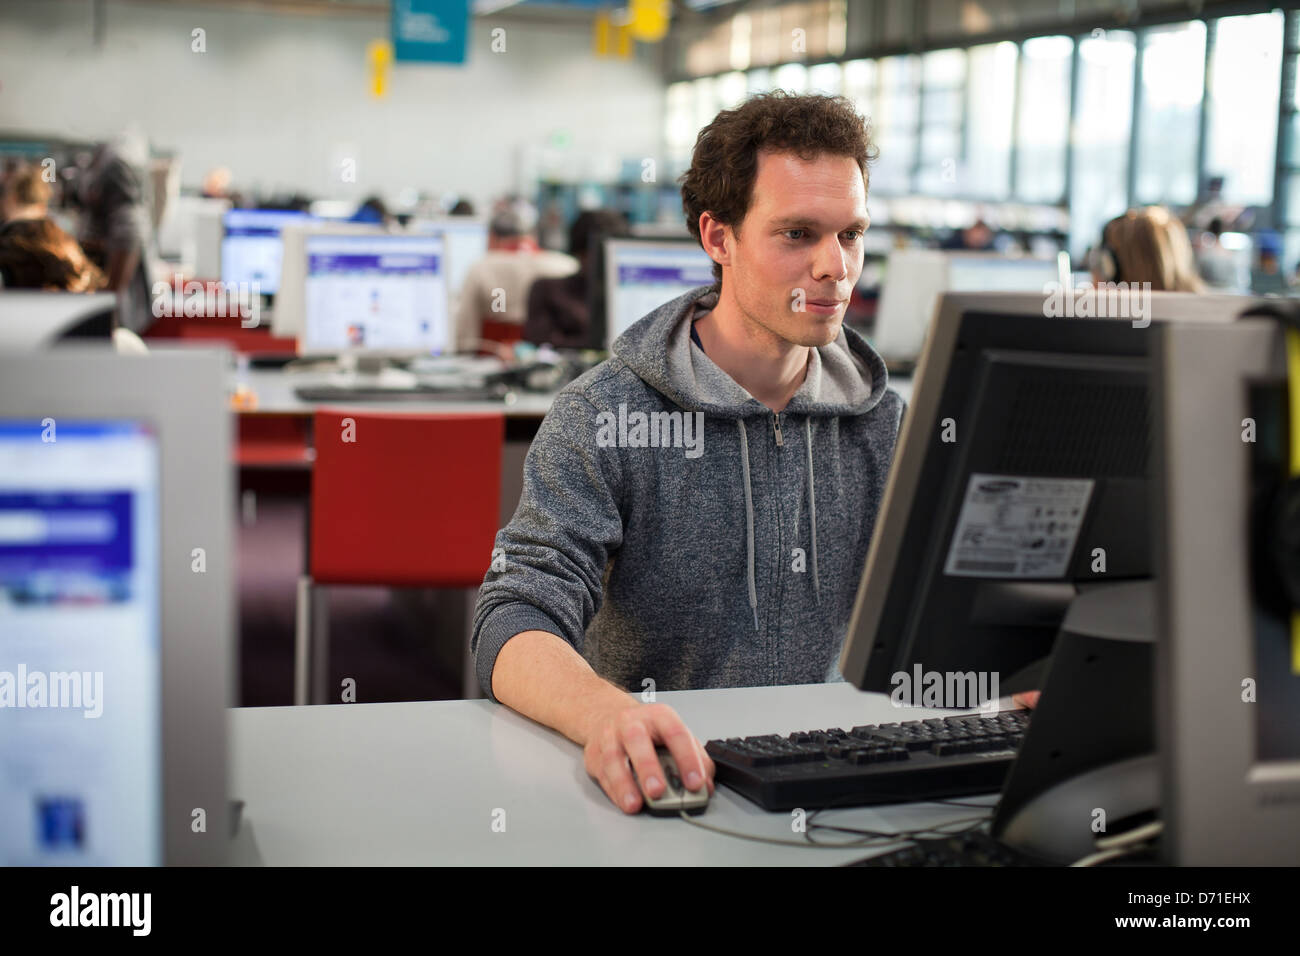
{"x": 675, "y": 797}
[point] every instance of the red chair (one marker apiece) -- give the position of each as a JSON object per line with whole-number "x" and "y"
{"x": 505, "y": 333}
{"x": 403, "y": 500}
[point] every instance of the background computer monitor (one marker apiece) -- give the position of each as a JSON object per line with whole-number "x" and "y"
{"x": 379, "y": 294}
{"x": 465, "y": 241}
{"x": 641, "y": 275}
{"x": 209, "y": 231}
{"x": 251, "y": 250}
{"x": 1227, "y": 681}
{"x": 1025, "y": 450}
{"x": 915, "y": 278}
{"x": 115, "y": 554}
{"x": 183, "y": 226}
{"x": 30, "y": 319}
{"x": 290, "y": 302}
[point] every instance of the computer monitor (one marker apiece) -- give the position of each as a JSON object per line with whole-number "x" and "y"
{"x": 641, "y": 275}
{"x": 189, "y": 222}
{"x": 1021, "y": 479}
{"x": 1227, "y": 664}
{"x": 116, "y": 618}
{"x": 379, "y": 294}
{"x": 465, "y": 242}
{"x": 915, "y": 278}
{"x": 251, "y": 250}
{"x": 209, "y": 232}
{"x": 288, "y": 316}
{"x": 31, "y": 319}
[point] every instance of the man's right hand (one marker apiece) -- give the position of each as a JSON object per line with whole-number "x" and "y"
{"x": 631, "y": 733}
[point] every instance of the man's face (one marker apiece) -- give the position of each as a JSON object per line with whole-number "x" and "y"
{"x": 800, "y": 246}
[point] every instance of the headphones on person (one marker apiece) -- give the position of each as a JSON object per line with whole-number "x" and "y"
{"x": 1278, "y": 544}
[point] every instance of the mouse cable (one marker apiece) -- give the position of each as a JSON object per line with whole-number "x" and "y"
{"x": 882, "y": 839}
{"x": 1122, "y": 844}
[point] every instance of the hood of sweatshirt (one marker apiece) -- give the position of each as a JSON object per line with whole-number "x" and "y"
{"x": 846, "y": 377}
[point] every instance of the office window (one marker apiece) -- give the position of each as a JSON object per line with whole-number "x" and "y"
{"x": 730, "y": 90}
{"x": 990, "y": 110}
{"x": 765, "y": 37}
{"x": 1043, "y": 127}
{"x": 1103, "y": 122}
{"x": 792, "y": 77}
{"x": 825, "y": 78}
{"x": 679, "y": 116}
{"x": 705, "y": 108}
{"x": 859, "y": 85}
{"x": 741, "y": 41}
{"x": 1245, "y": 78}
{"x": 1173, "y": 85}
{"x": 896, "y": 116}
{"x": 943, "y": 82}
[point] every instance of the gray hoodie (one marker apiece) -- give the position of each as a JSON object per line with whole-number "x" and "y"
{"x": 674, "y": 529}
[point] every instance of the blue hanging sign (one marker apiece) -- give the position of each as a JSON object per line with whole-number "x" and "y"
{"x": 430, "y": 31}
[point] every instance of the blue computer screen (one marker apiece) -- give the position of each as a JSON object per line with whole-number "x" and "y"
{"x": 80, "y": 661}
{"x": 251, "y": 250}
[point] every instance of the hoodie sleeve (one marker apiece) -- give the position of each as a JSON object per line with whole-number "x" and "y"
{"x": 548, "y": 563}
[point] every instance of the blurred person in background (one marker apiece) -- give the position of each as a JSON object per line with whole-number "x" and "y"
{"x": 1222, "y": 268}
{"x": 1146, "y": 245}
{"x": 115, "y": 225}
{"x": 24, "y": 195}
{"x": 494, "y": 297}
{"x": 558, "y": 309}
{"x": 36, "y": 254}
{"x": 372, "y": 210}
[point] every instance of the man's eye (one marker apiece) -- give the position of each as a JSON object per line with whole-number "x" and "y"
{"x": 856, "y": 235}
{"x": 788, "y": 231}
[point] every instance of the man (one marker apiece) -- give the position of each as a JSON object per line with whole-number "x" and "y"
{"x": 494, "y": 297}
{"x": 726, "y": 552}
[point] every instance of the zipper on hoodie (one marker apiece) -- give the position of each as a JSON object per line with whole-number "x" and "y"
{"x": 776, "y": 428}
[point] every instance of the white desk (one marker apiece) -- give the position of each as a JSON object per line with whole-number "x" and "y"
{"x": 417, "y": 784}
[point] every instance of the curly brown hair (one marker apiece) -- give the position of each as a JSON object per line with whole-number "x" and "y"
{"x": 37, "y": 254}
{"x": 724, "y": 163}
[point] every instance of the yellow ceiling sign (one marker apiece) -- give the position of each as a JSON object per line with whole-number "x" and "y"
{"x": 649, "y": 19}
{"x": 379, "y": 57}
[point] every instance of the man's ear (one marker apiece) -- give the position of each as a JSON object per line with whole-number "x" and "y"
{"x": 713, "y": 235}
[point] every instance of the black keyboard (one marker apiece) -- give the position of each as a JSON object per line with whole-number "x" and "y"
{"x": 876, "y": 763}
{"x": 973, "y": 848}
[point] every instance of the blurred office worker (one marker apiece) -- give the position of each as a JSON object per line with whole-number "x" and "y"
{"x": 1146, "y": 246}
{"x": 494, "y": 299}
{"x": 559, "y": 309}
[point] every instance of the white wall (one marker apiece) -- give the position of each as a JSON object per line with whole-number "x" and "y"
{"x": 281, "y": 98}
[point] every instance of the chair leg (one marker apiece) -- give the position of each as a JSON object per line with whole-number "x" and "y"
{"x": 470, "y": 689}
{"x": 302, "y": 640}
{"x": 320, "y": 647}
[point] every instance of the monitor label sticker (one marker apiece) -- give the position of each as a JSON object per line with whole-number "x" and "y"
{"x": 1018, "y": 527}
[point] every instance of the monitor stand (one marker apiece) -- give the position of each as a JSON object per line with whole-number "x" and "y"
{"x": 1088, "y": 759}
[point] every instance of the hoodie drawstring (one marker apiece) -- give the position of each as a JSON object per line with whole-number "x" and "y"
{"x": 812, "y": 508}
{"x": 749, "y": 514}
{"x": 749, "y": 518}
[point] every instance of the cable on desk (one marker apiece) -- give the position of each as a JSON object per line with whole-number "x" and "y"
{"x": 1122, "y": 844}
{"x": 882, "y": 839}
